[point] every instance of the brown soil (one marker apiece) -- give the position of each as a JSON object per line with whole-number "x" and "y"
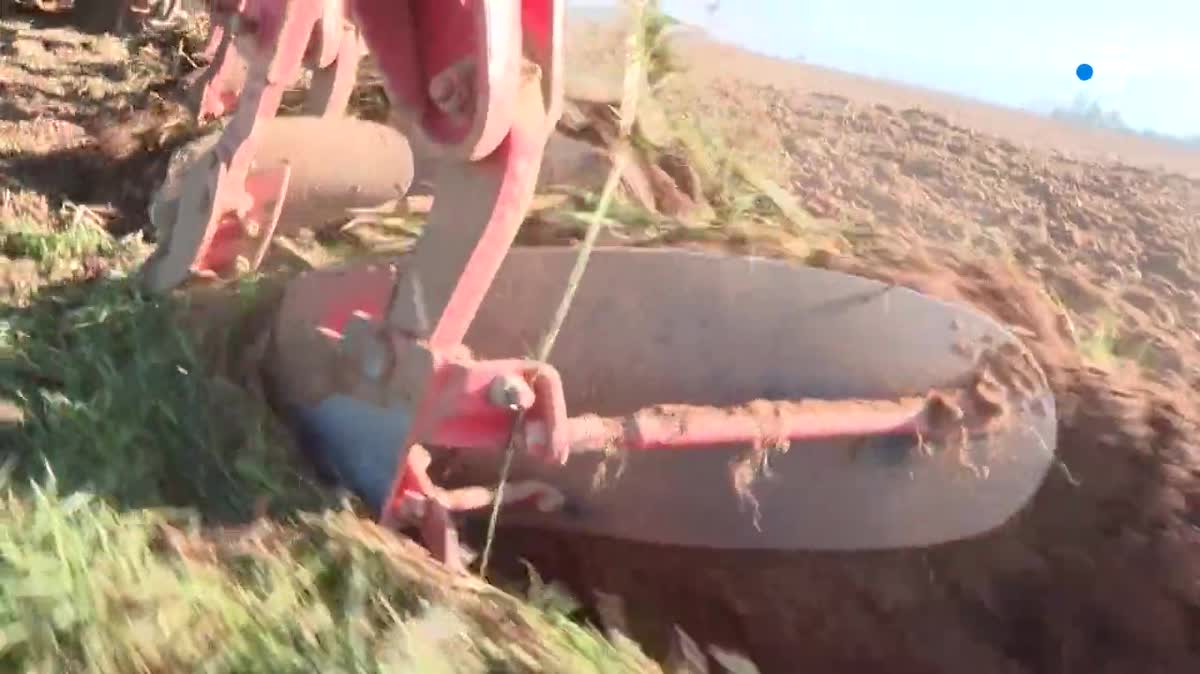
{"x": 956, "y": 199}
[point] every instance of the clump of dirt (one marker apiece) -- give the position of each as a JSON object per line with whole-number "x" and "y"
{"x": 1004, "y": 381}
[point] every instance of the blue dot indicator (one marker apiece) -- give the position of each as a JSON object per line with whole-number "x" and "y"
{"x": 1084, "y": 72}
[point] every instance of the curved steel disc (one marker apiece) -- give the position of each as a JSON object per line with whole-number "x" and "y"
{"x": 655, "y": 326}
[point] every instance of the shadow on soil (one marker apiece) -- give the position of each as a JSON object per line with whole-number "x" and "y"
{"x": 88, "y": 175}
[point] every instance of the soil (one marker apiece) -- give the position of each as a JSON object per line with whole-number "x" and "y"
{"x": 1060, "y": 232}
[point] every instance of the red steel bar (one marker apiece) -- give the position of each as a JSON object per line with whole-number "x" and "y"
{"x": 673, "y": 427}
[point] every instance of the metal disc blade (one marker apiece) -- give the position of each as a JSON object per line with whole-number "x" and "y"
{"x": 658, "y": 326}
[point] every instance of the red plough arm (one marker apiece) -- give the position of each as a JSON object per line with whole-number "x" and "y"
{"x": 333, "y": 50}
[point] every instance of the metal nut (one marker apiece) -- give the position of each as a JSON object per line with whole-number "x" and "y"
{"x": 505, "y": 391}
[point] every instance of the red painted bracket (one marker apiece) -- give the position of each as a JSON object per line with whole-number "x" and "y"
{"x": 235, "y": 243}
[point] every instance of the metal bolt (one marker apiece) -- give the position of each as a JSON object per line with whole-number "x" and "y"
{"x": 505, "y": 391}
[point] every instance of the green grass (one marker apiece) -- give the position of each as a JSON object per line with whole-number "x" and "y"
{"x": 118, "y": 402}
{"x": 126, "y": 503}
{"x": 88, "y": 588}
{"x": 78, "y": 239}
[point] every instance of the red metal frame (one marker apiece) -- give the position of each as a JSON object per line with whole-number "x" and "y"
{"x": 222, "y": 80}
{"x": 226, "y": 218}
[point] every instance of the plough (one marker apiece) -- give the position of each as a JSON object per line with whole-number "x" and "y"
{"x": 716, "y": 401}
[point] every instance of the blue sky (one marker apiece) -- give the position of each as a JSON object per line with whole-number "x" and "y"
{"x": 1023, "y": 53}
